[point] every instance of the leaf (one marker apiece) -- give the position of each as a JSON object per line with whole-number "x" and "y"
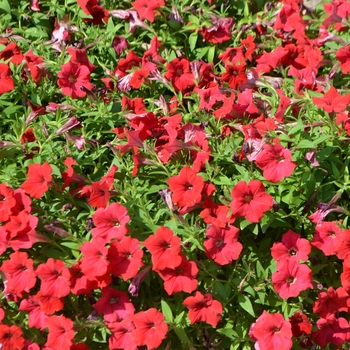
{"x": 5, "y": 6}
{"x": 246, "y": 304}
{"x": 306, "y": 144}
{"x": 223, "y": 291}
{"x": 168, "y": 315}
{"x": 193, "y": 41}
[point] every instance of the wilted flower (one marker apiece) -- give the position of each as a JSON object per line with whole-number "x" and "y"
{"x": 119, "y": 44}
{"x": 136, "y": 282}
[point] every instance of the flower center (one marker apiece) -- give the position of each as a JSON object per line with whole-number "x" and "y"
{"x": 72, "y": 79}
{"x": 248, "y": 198}
{"x": 290, "y": 280}
{"x": 292, "y": 251}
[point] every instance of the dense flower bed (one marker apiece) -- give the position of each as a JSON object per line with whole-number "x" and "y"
{"x": 174, "y": 174}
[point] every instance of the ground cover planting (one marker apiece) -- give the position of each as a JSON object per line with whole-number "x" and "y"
{"x": 174, "y": 175}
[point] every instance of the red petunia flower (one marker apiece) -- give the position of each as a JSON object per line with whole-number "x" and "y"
{"x": 72, "y": 78}
{"x": 327, "y": 238}
{"x": 331, "y": 330}
{"x": 38, "y": 180}
{"x": 165, "y": 249}
{"x": 250, "y": 200}
{"x": 7, "y": 84}
{"x": 146, "y": 8}
{"x": 114, "y": 305}
{"x": 7, "y": 202}
{"x": 291, "y": 278}
{"x": 276, "y": 162}
{"x": 186, "y": 187}
{"x": 13, "y": 53}
{"x": 203, "y": 308}
{"x": 272, "y": 332}
{"x": 122, "y": 334}
{"x": 332, "y": 301}
{"x": 216, "y": 214}
{"x": 138, "y": 78}
{"x": 79, "y": 56}
{"x": 300, "y": 324}
{"x": 55, "y": 278}
{"x": 19, "y": 273}
{"x": 222, "y": 244}
{"x": 61, "y": 332}
{"x": 80, "y": 284}
{"x": 125, "y": 257}
{"x": 343, "y": 56}
{"x": 292, "y": 247}
{"x": 332, "y": 101}
{"x": 182, "y": 279}
{"x": 180, "y": 75}
{"x": 92, "y": 8}
{"x": 150, "y": 328}
{"x": 11, "y": 337}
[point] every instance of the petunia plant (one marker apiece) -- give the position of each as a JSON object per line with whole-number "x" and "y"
{"x": 174, "y": 174}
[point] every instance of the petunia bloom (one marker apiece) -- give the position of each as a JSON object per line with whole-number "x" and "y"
{"x": 7, "y": 84}
{"x": 72, "y": 78}
{"x": 250, "y": 200}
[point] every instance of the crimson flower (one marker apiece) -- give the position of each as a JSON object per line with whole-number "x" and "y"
{"x": 300, "y": 324}
{"x": 203, "y": 308}
{"x": 343, "y": 56}
{"x": 292, "y": 247}
{"x": 332, "y": 101}
{"x": 222, "y": 244}
{"x": 122, "y": 334}
{"x": 110, "y": 222}
{"x": 7, "y": 84}
{"x": 186, "y": 187}
{"x": 150, "y": 328}
{"x": 276, "y": 162}
{"x": 138, "y": 78}
{"x": 19, "y": 272}
{"x": 55, "y": 278}
{"x": 38, "y": 180}
{"x": 332, "y": 301}
{"x": 291, "y": 278}
{"x": 72, "y": 77}
{"x": 216, "y": 214}
{"x": 327, "y": 237}
{"x": 114, "y": 305}
{"x": 80, "y": 284}
{"x": 182, "y": 279}
{"x": 219, "y": 32}
{"x": 125, "y": 257}
{"x": 146, "y": 8}
{"x": 250, "y": 200}
{"x": 13, "y": 53}
{"x": 92, "y": 8}
{"x": 179, "y": 73}
{"x": 165, "y": 249}
{"x": 7, "y": 202}
{"x": 61, "y": 332}
{"x": 272, "y": 332}
{"x": 11, "y": 337}
{"x": 331, "y": 330}
{"x": 79, "y": 56}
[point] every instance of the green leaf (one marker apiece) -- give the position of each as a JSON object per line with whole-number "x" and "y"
{"x": 306, "y": 144}
{"x": 5, "y": 6}
{"x": 168, "y": 315}
{"x": 246, "y": 304}
{"x": 193, "y": 41}
{"x": 223, "y": 291}
{"x": 211, "y": 54}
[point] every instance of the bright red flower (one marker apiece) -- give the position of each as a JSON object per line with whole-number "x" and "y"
{"x": 332, "y": 101}
{"x": 79, "y": 56}
{"x": 92, "y": 8}
{"x": 114, "y": 305}
{"x": 327, "y": 238}
{"x": 186, "y": 187}
{"x": 179, "y": 73}
{"x": 342, "y": 250}
{"x": 222, "y": 244}
{"x": 37, "y": 316}
{"x": 7, "y": 84}
{"x": 216, "y": 214}
{"x": 219, "y": 32}
{"x": 7, "y": 202}
{"x": 13, "y": 53}
{"x": 146, "y": 8}
{"x": 203, "y": 308}
{"x": 122, "y": 334}
{"x": 291, "y": 278}
{"x": 250, "y": 200}
{"x": 292, "y": 247}
{"x": 271, "y": 332}
{"x": 332, "y": 301}
{"x": 331, "y": 330}
{"x": 38, "y": 180}
{"x": 94, "y": 263}
{"x": 343, "y": 56}
{"x": 11, "y": 337}
{"x": 150, "y": 328}
{"x": 55, "y": 278}
{"x": 72, "y": 78}
{"x": 165, "y": 249}
{"x": 19, "y": 273}
{"x": 138, "y": 78}
{"x": 125, "y": 257}
{"x": 276, "y": 162}
{"x": 182, "y": 279}
{"x": 110, "y": 222}
{"x": 61, "y": 332}
{"x": 48, "y": 303}
{"x": 300, "y": 324}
